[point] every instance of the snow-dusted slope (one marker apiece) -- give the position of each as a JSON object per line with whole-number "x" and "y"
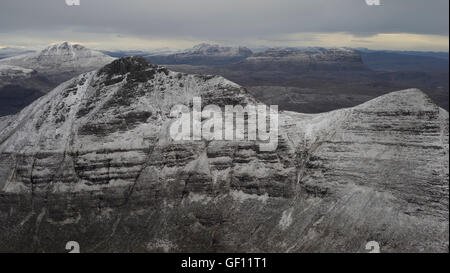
{"x": 93, "y": 160}
{"x": 64, "y": 60}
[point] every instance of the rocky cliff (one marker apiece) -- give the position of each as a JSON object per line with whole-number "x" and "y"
{"x": 92, "y": 162}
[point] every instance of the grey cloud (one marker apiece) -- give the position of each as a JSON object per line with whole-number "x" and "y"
{"x": 225, "y": 19}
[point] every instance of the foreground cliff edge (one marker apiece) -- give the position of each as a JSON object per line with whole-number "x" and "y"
{"x": 92, "y": 162}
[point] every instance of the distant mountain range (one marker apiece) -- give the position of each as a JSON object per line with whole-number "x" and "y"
{"x": 379, "y": 60}
{"x": 319, "y": 79}
{"x": 312, "y": 79}
{"x": 303, "y": 60}
{"x": 204, "y": 54}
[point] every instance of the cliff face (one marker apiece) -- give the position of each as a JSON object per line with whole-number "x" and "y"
{"x": 92, "y": 162}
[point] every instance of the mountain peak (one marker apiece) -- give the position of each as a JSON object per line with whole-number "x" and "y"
{"x": 63, "y": 48}
{"x": 408, "y": 100}
{"x": 125, "y": 65}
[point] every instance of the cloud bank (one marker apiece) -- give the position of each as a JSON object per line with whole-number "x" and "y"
{"x": 180, "y": 23}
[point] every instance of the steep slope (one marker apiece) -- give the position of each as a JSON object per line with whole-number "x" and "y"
{"x": 92, "y": 161}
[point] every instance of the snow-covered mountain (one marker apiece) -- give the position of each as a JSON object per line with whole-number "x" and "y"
{"x": 60, "y": 62}
{"x": 93, "y": 160}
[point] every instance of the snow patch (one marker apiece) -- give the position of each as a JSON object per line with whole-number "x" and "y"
{"x": 286, "y": 219}
{"x": 241, "y": 196}
{"x": 199, "y": 198}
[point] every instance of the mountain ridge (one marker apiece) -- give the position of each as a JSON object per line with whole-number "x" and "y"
{"x": 93, "y": 158}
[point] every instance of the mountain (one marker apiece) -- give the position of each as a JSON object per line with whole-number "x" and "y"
{"x": 306, "y": 59}
{"x": 92, "y": 161}
{"x": 25, "y": 77}
{"x": 204, "y": 54}
{"x": 61, "y": 62}
{"x": 7, "y": 52}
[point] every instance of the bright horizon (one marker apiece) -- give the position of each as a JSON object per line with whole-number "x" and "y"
{"x": 155, "y": 45}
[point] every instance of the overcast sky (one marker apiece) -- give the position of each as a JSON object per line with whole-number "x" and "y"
{"x": 178, "y": 24}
